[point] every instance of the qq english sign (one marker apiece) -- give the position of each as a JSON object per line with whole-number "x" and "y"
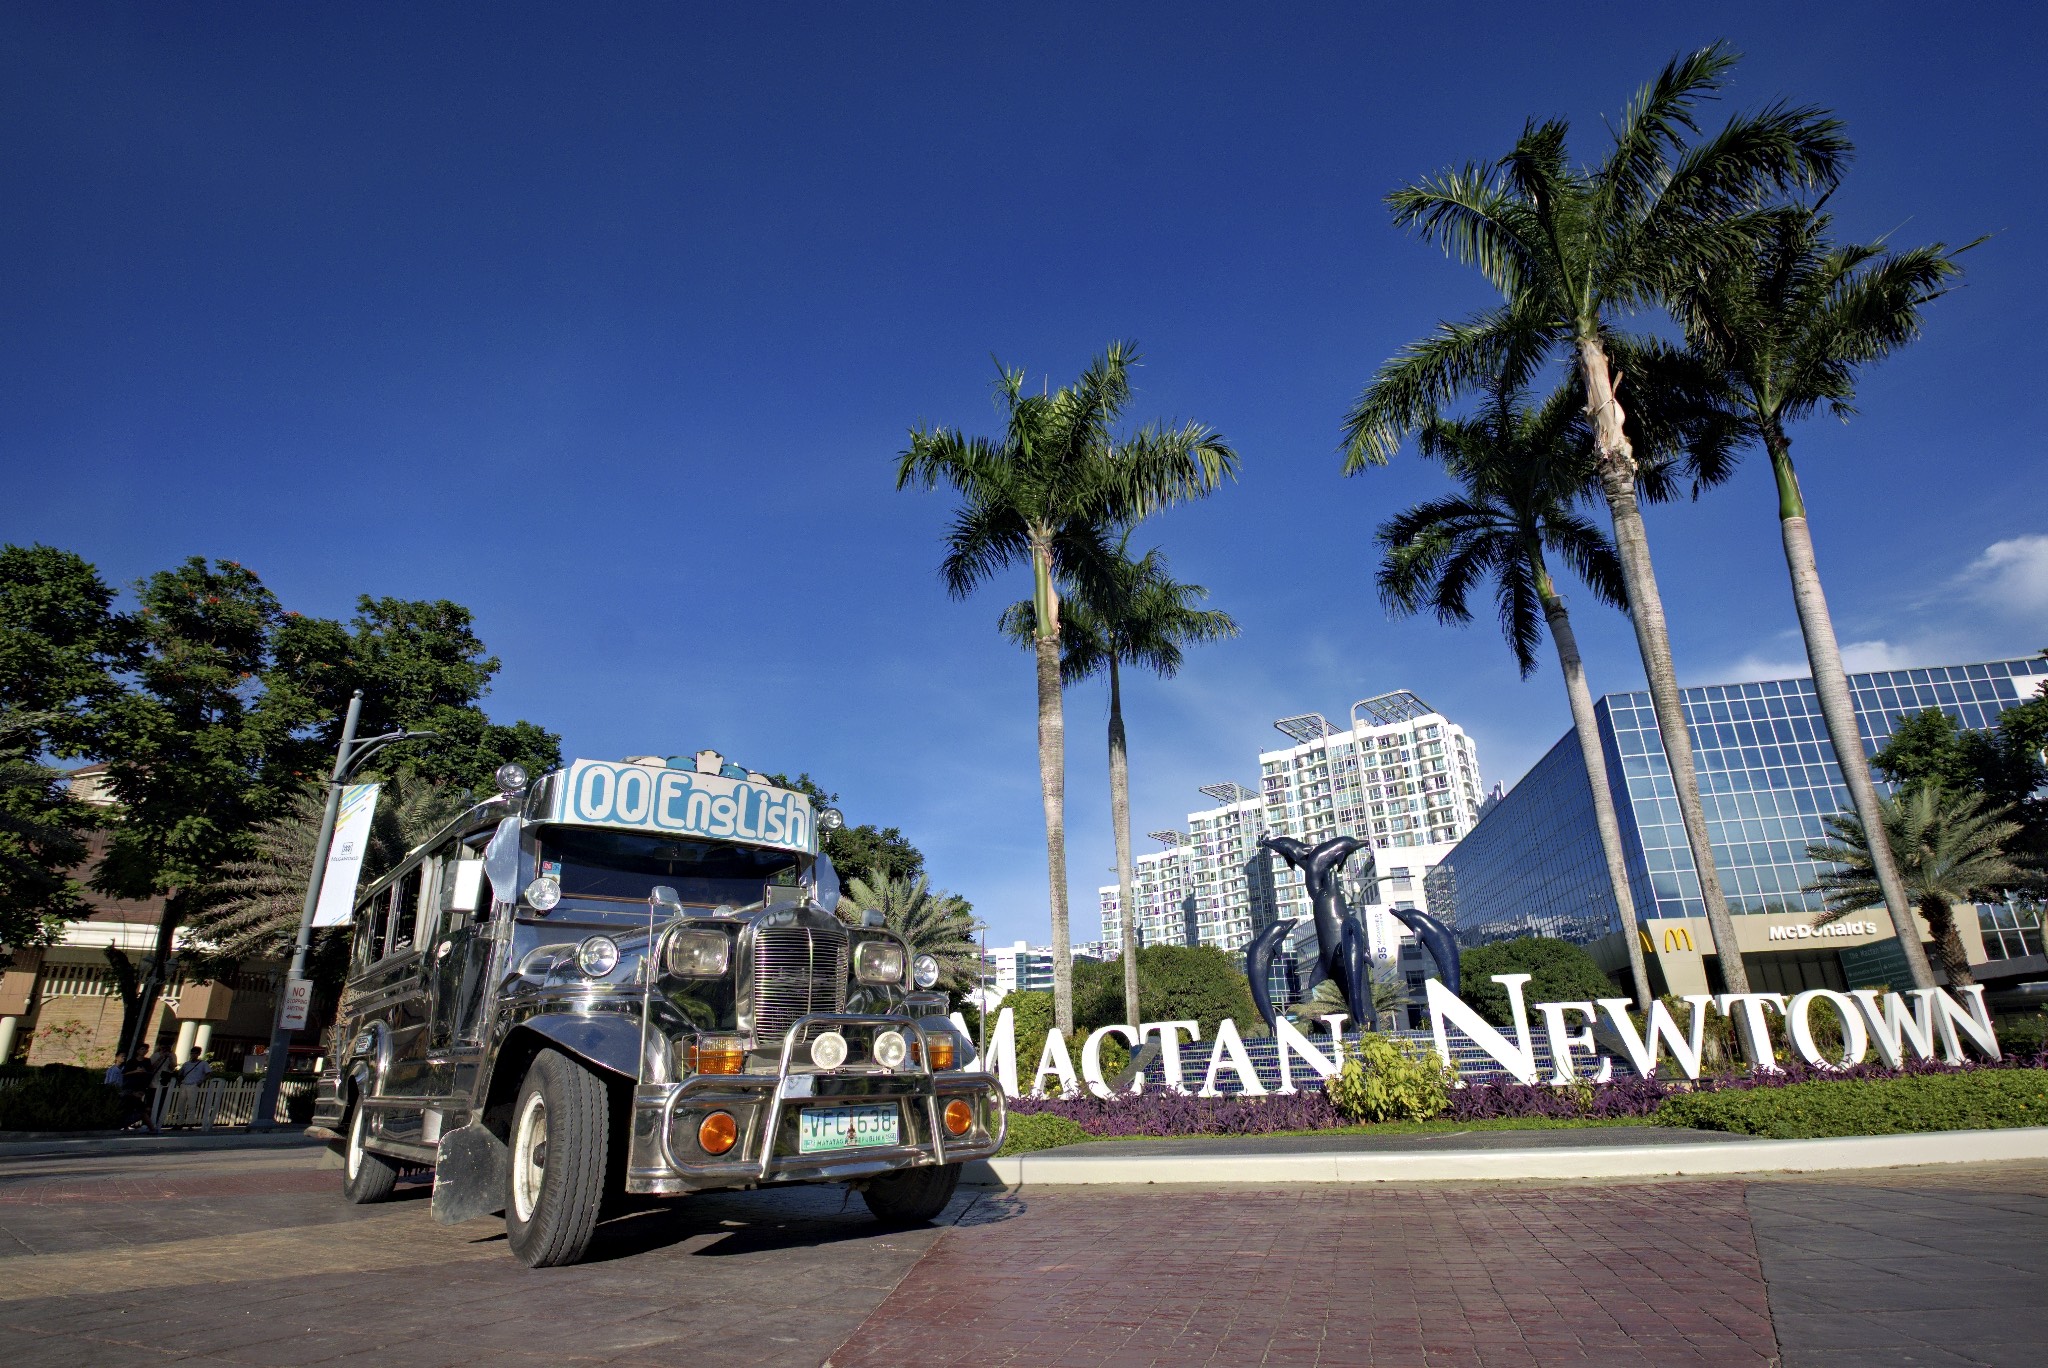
{"x": 1920, "y": 1024}
{"x": 678, "y": 802}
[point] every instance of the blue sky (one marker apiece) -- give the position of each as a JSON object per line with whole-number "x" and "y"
{"x": 610, "y": 323}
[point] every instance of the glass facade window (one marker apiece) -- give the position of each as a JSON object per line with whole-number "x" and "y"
{"x": 1767, "y": 779}
{"x": 2010, "y": 930}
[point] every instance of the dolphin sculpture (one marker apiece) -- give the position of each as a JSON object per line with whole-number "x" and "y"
{"x": 1358, "y": 975}
{"x": 1436, "y": 938}
{"x": 1319, "y": 866}
{"x": 1258, "y": 966}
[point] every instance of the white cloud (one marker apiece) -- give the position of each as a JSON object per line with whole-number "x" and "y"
{"x": 2012, "y": 575}
{"x": 1857, "y": 658}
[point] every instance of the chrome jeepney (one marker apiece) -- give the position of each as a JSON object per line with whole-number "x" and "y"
{"x": 641, "y": 954}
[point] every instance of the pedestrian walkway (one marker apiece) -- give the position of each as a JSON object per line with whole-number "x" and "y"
{"x": 248, "y": 1257}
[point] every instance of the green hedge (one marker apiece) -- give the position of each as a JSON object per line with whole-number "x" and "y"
{"x": 52, "y": 1101}
{"x": 1981, "y": 1099}
{"x": 1040, "y": 1131}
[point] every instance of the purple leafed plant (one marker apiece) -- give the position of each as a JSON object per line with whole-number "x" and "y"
{"x": 1168, "y": 1113}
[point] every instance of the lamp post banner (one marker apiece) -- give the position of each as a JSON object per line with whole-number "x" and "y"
{"x": 345, "y": 855}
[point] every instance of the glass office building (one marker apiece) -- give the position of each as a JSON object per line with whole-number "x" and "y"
{"x": 1533, "y": 864}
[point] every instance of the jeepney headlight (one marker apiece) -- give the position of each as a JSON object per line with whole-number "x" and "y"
{"x": 828, "y": 1050}
{"x": 598, "y": 956}
{"x": 543, "y": 893}
{"x": 891, "y": 1049}
{"x": 878, "y": 961}
{"x": 697, "y": 954}
{"x": 924, "y": 971}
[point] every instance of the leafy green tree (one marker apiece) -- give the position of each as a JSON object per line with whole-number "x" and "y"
{"x": 61, "y": 643}
{"x": 1136, "y": 614}
{"x": 41, "y": 838}
{"x": 421, "y": 666}
{"x": 1785, "y": 326}
{"x": 934, "y": 922}
{"x": 2004, "y": 764}
{"x": 1569, "y": 248}
{"x": 1176, "y": 983}
{"x": 1952, "y": 848}
{"x": 885, "y": 850}
{"x": 1520, "y": 471}
{"x": 1562, "y": 972}
{"x": 196, "y": 752}
{"x": 1048, "y": 493}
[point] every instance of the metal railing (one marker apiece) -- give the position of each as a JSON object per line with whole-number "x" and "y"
{"x": 220, "y": 1103}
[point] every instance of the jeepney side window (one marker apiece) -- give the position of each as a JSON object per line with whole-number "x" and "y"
{"x": 401, "y": 912}
{"x": 427, "y": 919}
{"x": 370, "y": 933}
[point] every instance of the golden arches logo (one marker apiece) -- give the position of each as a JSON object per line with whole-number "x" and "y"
{"x": 1677, "y": 938}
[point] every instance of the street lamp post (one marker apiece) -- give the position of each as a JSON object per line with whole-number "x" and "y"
{"x": 349, "y": 754}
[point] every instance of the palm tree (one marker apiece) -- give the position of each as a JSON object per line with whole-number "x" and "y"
{"x": 934, "y": 922}
{"x": 1569, "y": 247}
{"x": 1521, "y": 470}
{"x": 1785, "y": 327}
{"x": 1046, "y": 493}
{"x": 1389, "y": 993}
{"x": 1137, "y": 614}
{"x": 253, "y": 908}
{"x": 1950, "y": 847}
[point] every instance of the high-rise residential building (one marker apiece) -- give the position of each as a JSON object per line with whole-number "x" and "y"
{"x": 1402, "y": 776}
{"x": 1533, "y": 865}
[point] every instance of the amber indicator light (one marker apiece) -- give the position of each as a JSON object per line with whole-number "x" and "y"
{"x": 718, "y": 1132}
{"x": 959, "y": 1116}
{"x": 714, "y": 1057}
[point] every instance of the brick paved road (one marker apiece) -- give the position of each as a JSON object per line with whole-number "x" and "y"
{"x": 250, "y": 1258}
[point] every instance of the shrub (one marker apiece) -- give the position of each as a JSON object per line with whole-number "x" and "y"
{"x": 1970, "y": 1099}
{"x": 2023, "y": 1035}
{"x": 52, "y": 1100}
{"x": 1563, "y": 973}
{"x": 1041, "y": 1131}
{"x": 1389, "y": 1079}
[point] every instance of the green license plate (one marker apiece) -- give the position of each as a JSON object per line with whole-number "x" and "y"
{"x": 820, "y": 1130}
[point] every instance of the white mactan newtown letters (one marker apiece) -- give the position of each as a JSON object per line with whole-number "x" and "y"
{"x": 1900, "y": 1026}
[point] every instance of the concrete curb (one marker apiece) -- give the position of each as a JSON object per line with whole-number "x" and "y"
{"x": 1052, "y": 1168}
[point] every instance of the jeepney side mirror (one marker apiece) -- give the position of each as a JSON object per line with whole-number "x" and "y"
{"x": 661, "y": 895}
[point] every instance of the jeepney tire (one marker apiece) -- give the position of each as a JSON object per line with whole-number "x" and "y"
{"x": 911, "y": 1197}
{"x": 365, "y": 1177}
{"x": 551, "y": 1207}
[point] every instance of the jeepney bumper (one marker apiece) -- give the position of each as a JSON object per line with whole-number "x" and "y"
{"x": 666, "y": 1158}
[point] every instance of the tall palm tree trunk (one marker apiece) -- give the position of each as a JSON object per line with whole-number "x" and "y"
{"x": 1120, "y": 816}
{"x": 1052, "y": 782}
{"x": 1588, "y": 728}
{"x": 1941, "y": 919}
{"x": 1646, "y": 610}
{"x": 1831, "y": 687}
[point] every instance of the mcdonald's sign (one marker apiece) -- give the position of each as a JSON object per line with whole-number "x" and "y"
{"x": 1677, "y": 938}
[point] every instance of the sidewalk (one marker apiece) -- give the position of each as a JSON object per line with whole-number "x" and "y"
{"x": 100, "y": 1144}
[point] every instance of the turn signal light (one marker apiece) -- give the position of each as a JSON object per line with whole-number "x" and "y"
{"x": 714, "y": 1054}
{"x": 959, "y": 1116}
{"x": 940, "y": 1048}
{"x": 718, "y": 1132}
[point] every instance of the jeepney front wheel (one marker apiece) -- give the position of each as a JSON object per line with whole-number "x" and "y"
{"x": 911, "y": 1197}
{"x": 365, "y": 1177}
{"x": 561, "y": 1129}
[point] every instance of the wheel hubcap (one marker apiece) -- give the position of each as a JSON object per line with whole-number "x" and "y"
{"x": 529, "y": 1157}
{"x": 355, "y": 1144}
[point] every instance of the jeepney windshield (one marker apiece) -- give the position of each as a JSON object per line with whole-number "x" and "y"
{"x": 624, "y": 866}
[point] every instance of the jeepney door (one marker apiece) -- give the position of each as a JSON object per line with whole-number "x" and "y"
{"x": 409, "y": 922}
{"x": 462, "y": 956}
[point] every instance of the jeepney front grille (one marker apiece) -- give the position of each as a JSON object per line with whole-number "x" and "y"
{"x": 797, "y": 969}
